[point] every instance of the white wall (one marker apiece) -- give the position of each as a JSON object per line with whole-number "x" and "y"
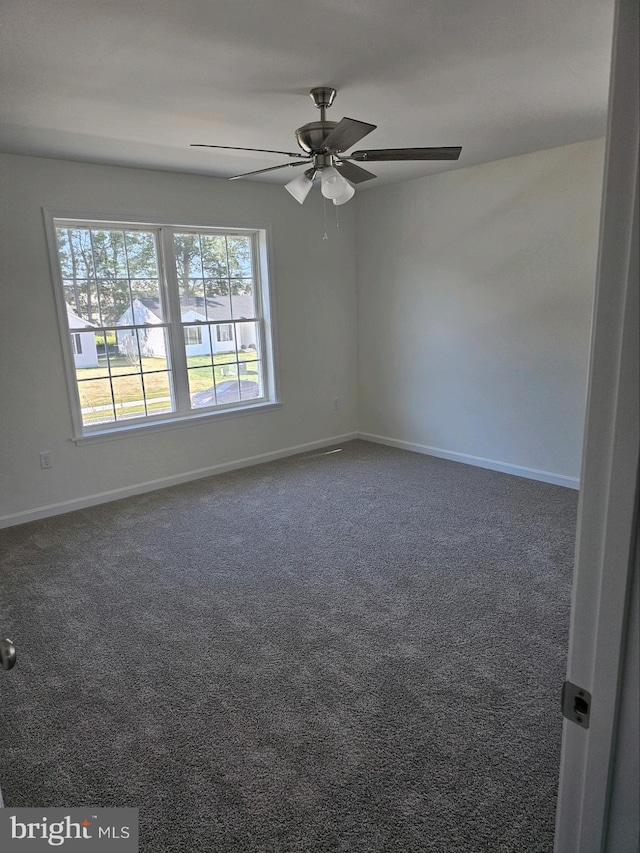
{"x": 313, "y": 284}
{"x": 474, "y": 304}
{"x": 475, "y": 292}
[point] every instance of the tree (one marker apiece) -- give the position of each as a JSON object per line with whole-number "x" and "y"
{"x": 214, "y": 265}
{"x": 104, "y": 270}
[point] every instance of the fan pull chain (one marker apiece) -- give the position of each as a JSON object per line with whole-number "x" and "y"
{"x": 325, "y": 236}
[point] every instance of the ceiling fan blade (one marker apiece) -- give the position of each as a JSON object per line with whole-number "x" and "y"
{"x": 261, "y": 150}
{"x": 346, "y": 133}
{"x": 406, "y": 154}
{"x": 270, "y": 169}
{"x": 353, "y": 173}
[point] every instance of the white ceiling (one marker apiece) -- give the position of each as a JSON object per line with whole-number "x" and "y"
{"x": 133, "y": 82}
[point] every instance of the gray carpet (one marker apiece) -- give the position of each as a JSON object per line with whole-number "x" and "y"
{"x": 354, "y": 651}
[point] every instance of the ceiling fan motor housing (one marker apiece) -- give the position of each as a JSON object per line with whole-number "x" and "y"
{"x": 311, "y": 136}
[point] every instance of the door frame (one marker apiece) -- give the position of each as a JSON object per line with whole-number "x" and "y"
{"x": 607, "y": 511}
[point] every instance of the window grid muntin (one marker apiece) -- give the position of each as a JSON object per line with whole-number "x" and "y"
{"x": 256, "y": 318}
{"x": 141, "y": 372}
{"x": 168, "y": 285}
{"x": 205, "y": 278}
{"x": 251, "y": 356}
{"x": 105, "y": 328}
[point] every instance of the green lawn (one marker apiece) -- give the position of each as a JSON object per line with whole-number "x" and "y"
{"x": 127, "y": 383}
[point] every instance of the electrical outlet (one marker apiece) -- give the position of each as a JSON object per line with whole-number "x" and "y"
{"x": 336, "y": 404}
{"x": 45, "y": 459}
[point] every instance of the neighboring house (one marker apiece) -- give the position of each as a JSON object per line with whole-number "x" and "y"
{"x": 146, "y": 310}
{"x": 83, "y": 341}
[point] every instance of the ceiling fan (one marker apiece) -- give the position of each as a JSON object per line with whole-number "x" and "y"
{"x": 323, "y": 143}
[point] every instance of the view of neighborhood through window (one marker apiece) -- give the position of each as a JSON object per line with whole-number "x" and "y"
{"x": 148, "y": 342}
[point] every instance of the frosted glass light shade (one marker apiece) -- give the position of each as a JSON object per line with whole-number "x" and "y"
{"x": 348, "y": 193}
{"x": 299, "y": 187}
{"x": 332, "y": 184}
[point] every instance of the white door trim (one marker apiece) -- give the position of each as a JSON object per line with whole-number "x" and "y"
{"x": 607, "y": 520}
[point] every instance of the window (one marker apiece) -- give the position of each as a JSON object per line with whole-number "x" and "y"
{"x": 224, "y": 333}
{"x": 193, "y": 336}
{"x": 175, "y": 321}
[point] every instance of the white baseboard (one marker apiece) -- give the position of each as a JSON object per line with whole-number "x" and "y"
{"x": 175, "y": 479}
{"x": 164, "y": 482}
{"x": 478, "y": 461}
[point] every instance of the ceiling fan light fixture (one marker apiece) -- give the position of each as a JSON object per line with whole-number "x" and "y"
{"x": 332, "y": 184}
{"x": 346, "y": 195}
{"x": 299, "y": 187}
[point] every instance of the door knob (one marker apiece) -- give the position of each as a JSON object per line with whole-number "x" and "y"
{"x": 7, "y": 654}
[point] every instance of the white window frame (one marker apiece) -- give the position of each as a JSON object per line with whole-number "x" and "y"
{"x": 184, "y": 415}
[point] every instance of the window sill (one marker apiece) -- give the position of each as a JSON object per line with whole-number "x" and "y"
{"x": 141, "y": 429}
